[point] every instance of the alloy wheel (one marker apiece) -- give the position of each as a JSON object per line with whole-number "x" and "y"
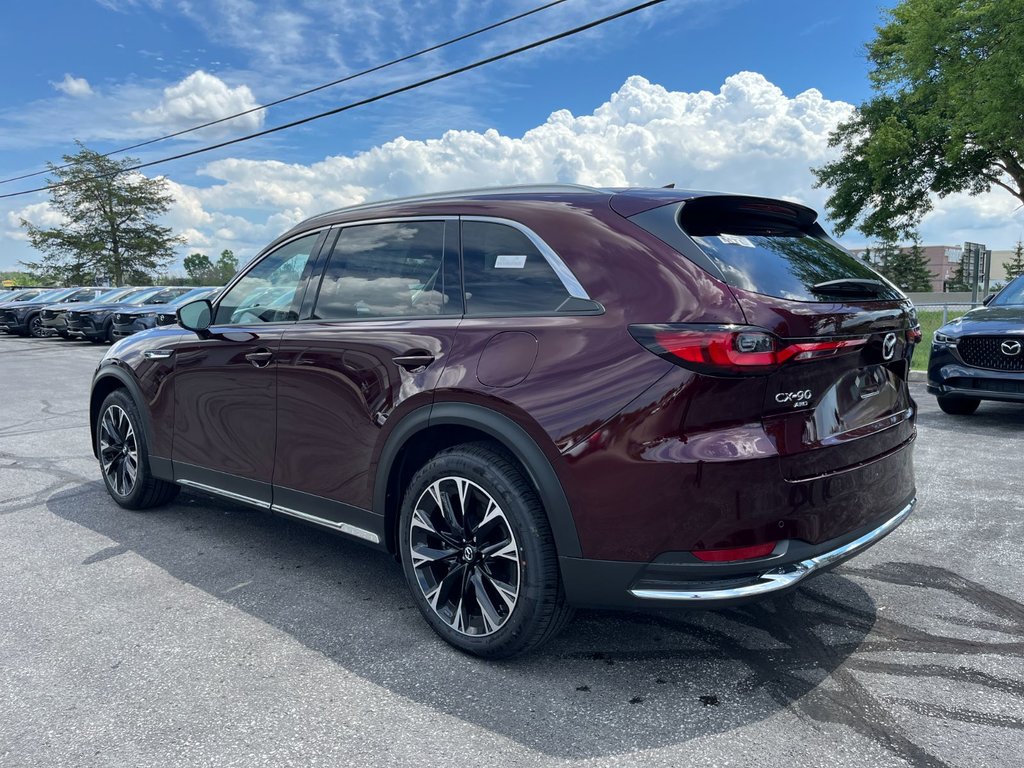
{"x": 119, "y": 450}
{"x": 465, "y": 556}
{"x": 36, "y": 329}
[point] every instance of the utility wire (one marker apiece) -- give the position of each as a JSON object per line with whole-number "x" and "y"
{"x": 361, "y": 102}
{"x": 300, "y": 94}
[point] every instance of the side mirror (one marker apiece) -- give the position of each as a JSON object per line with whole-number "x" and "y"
{"x": 196, "y": 316}
{"x": 987, "y": 299}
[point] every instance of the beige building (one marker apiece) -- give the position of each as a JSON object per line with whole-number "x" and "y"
{"x": 943, "y": 261}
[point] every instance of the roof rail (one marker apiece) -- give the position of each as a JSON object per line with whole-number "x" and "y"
{"x": 473, "y": 192}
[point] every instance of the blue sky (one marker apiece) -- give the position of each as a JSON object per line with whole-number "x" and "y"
{"x": 112, "y": 72}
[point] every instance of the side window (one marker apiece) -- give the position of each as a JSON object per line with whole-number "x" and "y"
{"x": 269, "y": 292}
{"x": 387, "y": 270}
{"x": 505, "y": 273}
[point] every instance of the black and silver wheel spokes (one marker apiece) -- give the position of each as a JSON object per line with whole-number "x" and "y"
{"x": 465, "y": 556}
{"x": 119, "y": 451}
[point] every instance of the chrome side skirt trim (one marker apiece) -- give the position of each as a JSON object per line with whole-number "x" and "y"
{"x": 784, "y": 576}
{"x": 351, "y": 530}
{"x": 226, "y": 494}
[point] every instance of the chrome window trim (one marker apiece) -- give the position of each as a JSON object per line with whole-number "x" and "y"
{"x": 569, "y": 281}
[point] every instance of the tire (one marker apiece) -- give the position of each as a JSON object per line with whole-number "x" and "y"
{"x": 482, "y": 568}
{"x": 109, "y": 335}
{"x": 122, "y": 446}
{"x": 35, "y": 328}
{"x": 958, "y": 406}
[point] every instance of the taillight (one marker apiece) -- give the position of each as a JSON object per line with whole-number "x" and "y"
{"x": 914, "y": 335}
{"x": 735, "y": 553}
{"x": 733, "y": 349}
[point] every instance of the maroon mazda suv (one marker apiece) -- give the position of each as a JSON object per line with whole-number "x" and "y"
{"x": 538, "y": 398}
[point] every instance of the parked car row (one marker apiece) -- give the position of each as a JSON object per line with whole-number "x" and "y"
{"x": 99, "y": 314}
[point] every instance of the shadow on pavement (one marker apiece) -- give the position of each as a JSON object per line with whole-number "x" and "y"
{"x": 611, "y": 684}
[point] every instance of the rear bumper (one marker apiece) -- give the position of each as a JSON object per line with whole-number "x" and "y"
{"x": 660, "y": 584}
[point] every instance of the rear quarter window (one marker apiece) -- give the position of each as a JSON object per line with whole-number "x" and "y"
{"x": 505, "y": 273}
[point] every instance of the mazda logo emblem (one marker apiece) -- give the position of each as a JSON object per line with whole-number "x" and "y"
{"x": 888, "y": 346}
{"x": 1010, "y": 348}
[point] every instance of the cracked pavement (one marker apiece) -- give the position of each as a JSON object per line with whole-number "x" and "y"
{"x": 209, "y": 634}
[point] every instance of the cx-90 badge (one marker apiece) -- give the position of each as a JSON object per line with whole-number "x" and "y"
{"x": 1010, "y": 348}
{"x": 799, "y": 398}
{"x": 888, "y": 346}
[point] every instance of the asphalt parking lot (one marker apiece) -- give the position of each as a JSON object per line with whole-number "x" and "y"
{"x": 208, "y": 634}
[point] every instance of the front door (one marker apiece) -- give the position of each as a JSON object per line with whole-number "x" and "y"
{"x": 225, "y": 387}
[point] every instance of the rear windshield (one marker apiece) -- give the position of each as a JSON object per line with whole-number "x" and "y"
{"x": 777, "y": 250}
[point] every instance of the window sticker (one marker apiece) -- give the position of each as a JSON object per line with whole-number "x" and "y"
{"x": 510, "y": 261}
{"x": 736, "y": 240}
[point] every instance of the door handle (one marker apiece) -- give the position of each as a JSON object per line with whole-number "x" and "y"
{"x": 414, "y": 361}
{"x": 260, "y": 358}
{"x": 157, "y": 354}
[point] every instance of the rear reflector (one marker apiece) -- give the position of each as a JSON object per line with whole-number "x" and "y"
{"x": 735, "y": 553}
{"x": 733, "y": 349}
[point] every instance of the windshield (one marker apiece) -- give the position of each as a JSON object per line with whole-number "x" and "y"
{"x": 195, "y": 293}
{"x": 1011, "y": 295}
{"x": 164, "y": 295}
{"x": 51, "y": 297}
{"x": 18, "y": 295}
{"x": 143, "y": 296}
{"x": 116, "y": 295}
{"x": 83, "y": 294}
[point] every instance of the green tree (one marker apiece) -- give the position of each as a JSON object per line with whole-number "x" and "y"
{"x": 226, "y": 267}
{"x": 907, "y": 268}
{"x": 1015, "y": 266}
{"x": 109, "y": 230}
{"x": 949, "y": 82}
{"x": 18, "y": 278}
{"x": 959, "y": 281}
{"x": 199, "y": 268}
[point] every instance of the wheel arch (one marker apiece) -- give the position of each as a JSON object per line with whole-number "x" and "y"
{"x": 108, "y": 379}
{"x": 431, "y": 428}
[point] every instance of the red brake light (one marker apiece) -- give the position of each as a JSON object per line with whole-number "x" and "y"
{"x": 914, "y": 335}
{"x": 735, "y": 553}
{"x": 732, "y": 349}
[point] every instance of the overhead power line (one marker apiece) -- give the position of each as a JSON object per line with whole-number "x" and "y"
{"x": 300, "y": 94}
{"x": 364, "y": 102}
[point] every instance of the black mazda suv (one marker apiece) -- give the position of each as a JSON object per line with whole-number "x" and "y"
{"x": 980, "y": 356}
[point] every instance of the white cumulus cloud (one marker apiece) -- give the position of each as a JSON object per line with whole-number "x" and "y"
{"x": 200, "y": 98}
{"x": 74, "y": 86}
{"x": 746, "y": 137}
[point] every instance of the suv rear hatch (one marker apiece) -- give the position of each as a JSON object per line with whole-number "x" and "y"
{"x": 829, "y": 337}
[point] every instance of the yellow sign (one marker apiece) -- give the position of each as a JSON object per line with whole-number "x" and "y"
{"x": 9, "y": 283}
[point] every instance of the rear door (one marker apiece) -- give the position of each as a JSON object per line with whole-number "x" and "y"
{"x": 374, "y": 340}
